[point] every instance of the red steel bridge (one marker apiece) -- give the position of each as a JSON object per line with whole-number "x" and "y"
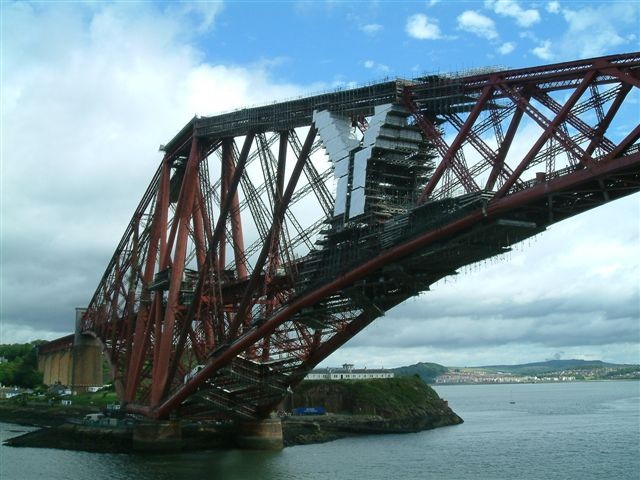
{"x": 270, "y": 236}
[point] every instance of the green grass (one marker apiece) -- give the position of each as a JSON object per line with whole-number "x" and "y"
{"x": 398, "y": 396}
{"x": 97, "y": 399}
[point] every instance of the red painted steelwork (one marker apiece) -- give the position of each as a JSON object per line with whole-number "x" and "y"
{"x": 390, "y": 256}
{"x": 517, "y": 86}
{"x": 184, "y": 326}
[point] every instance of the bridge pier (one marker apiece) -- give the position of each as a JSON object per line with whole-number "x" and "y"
{"x": 167, "y": 436}
{"x": 260, "y": 434}
{"x": 86, "y": 358}
{"x": 157, "y": 436}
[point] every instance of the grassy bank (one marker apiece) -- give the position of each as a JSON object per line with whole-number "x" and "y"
{"x": 390, "y": 397}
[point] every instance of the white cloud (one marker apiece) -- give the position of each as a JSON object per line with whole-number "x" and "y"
{"x": 506, "y": 48}
{"x": 102, "y": 85}
{"x": 543, "y": 50}
{"x": 512, "y": 9}
{"x": 433, "y": 2}
{"x": 590, "y": 31}
{"x": 204, "y": 13}
{"x": 553, "y": 7}
{"x": 477, "y": 24}
{"x": 372, "y": 28}
{"x": 378, "y": 67}
{"x": 593, "y": 31}
{"x": 421, "y": 27}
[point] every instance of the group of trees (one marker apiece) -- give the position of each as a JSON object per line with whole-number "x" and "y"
{"x": 19, "y": 364}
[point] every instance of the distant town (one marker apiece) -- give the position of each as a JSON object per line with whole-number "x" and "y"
{"x": 433, "y": 373}
{"x": 548, "y": 371}
{"x": 23, "y": 372}
{"x": 498, "y": 377}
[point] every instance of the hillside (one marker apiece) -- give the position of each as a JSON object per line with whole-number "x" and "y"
{"x": 426, "y": 371}
{"x": 551, "y": 366}
{"x": 407, "y": 400}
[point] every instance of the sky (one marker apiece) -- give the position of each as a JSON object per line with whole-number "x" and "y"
{"x": 89, "y": 90}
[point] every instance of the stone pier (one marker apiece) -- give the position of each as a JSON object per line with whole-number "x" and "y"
{"x": 260, "y": 434}
{"x": 74, "y": 360}
{"x": 157, "y": 436}
{"x": 87, "y": 358}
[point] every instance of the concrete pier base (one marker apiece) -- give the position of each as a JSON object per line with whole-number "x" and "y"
{"x": 260, "y": 434}
{"x": 157, "y": 436}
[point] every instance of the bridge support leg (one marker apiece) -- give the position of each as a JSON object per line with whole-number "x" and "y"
{"x": 157, "y": 436}
{"x": 260, "y": 434}
{"x": 86, "y": 359}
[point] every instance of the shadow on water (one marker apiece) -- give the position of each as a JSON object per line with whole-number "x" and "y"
{"x": 224, "y": 464}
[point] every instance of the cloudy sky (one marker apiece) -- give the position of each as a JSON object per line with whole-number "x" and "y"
{"x": 90, "y": 89}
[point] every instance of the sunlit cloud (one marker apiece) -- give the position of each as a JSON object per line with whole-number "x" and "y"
{"x": 512, "y": 9}
{"x": 543, "y": 51}
{"x": 372, "y": 28}
{"x": 477, "y": 24}
{"x": 421, "y": 27}
{"x": 506, "y": 48}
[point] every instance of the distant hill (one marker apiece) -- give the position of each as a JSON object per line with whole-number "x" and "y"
{"x": 430, "y": 371}
{"x": 550, "y": 366}
{"x": 426, "y": 371}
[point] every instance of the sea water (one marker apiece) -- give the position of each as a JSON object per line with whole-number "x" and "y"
{"x": 581, "y": 430}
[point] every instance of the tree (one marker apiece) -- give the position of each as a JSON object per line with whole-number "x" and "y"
{"x": 21, "y": 367}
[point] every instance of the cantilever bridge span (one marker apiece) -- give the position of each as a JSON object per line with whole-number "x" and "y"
{"x": 270, "y": 236}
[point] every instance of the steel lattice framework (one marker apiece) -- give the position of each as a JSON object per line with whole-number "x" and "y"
{"x": 236, "y": 276}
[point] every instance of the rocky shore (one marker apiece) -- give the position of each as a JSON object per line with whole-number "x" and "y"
{"x": 363, "y": 408}
{"x": 296, "y": 431}
{"x": 325, "y": 428}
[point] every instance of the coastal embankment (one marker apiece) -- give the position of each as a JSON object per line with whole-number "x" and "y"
{"x": 367, "y": 407}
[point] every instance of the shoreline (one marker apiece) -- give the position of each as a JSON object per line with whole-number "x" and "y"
{"x": 594, "y": 380}
{"x": 58, "y": 432}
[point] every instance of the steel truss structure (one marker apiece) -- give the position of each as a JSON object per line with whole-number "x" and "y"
{"x": 235, "y": 275}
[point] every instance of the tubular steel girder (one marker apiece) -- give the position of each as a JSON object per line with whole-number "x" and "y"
{"x": 235, "y": 277}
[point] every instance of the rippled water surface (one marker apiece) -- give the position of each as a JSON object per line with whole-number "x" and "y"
{"x": 553, "y": 431}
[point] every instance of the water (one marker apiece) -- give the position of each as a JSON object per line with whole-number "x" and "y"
{"x": 553, "y": 431}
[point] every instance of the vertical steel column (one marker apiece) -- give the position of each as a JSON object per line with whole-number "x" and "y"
{"x": 216, "y": 239}
{"x": 147, "y": 307}
{"x": 278, "y": 216}
{"x": 504, "y": 147}
{"x": 180, "y": 223}
{"x": 236, "y": 221}
{"x": 198, "y": 231}
{"x": 274, "y": 257}
{"x": 227, "y": 160}
{"x": 130, "y": 313}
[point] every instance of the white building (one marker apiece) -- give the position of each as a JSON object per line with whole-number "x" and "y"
{"x": 347, "y": 372}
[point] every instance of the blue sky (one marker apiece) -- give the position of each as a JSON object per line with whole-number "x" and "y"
{"x": 90, "y": 89}
{"x": 330, "y": 42}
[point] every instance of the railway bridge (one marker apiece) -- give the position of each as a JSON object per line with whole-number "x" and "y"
{"x": 270, "y": 236}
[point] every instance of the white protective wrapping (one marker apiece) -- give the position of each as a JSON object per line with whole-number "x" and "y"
{"x": 338, "y": 140}
{"x": 360, "y": 160}
{"x": 340, "y": 206}
{"x": 356, "y": 207}
{"x": 335, "y": 132}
